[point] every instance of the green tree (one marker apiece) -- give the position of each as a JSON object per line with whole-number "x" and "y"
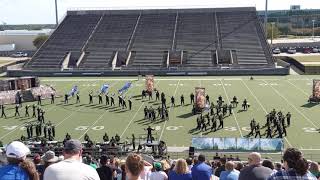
{"x": 39, "y": 40}
{"x": 276, "y": 31}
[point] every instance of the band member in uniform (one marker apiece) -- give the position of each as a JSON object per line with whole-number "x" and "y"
{"x": 124, "y": 104}
{"x": 230, "y": 109}
{"x": 107, "y": 99}
{"x": 182, "y": 100}
{"x": 130, "y": 103}
{"x": 17, "y": 111}
{"x": 90, "y": 98}
{"x": 269, "y": 132}
{"x": 133, "y": 142}
{"x": 27, "y": 111}
{"x": 220, "y": 121}
{"x": 45, "y": 131}
{"x": 78, "y": 98}
{"x": 157, "y": 95}
{"x": 207, "y": 99}
{"x": 145, "y": 110}
{"x": 234, "y": 101}
{"x": 52, "y": 98}
{"x": 53, "y": 130}
{"x": 150, "y": 95}
{"x": 149, "y": 136}
{"x": 120, "y": 100}
{"x": 66, "y": 98}
{"x": 39, "y": 99}
{"x": 191, "y": 98}
{"x": 214, "y": 124}
{"x": 3, "y": 114}
{"x": 112, "y": 101}
{"x": 172, "y": 102}
{"x": 33, "y": 110}
{"x": 288, "y": 118}
{"x": 252, "y": 126}
{"x": 100, "y": 98}
{"x": 258, "y": 131}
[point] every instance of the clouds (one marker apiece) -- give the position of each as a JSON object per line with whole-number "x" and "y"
{"x": 42, "y": 11}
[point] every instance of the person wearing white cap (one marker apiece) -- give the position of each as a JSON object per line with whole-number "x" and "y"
{"x": 71, "y": 168}
{"x": 16, "y": 153}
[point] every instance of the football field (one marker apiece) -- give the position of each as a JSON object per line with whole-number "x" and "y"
{"x": 285, "y": 93}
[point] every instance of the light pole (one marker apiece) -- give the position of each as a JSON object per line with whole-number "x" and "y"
{"x": 56, "y": 8}
{"x": 272, "y": 24}
{"x": 313, "y": 28}
{"x": 266, "y": 19}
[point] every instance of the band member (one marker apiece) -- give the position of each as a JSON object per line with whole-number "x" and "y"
{"x": 157, "y": 95}
{"x": 39, "y": 99}
{"x": 120, "y": 100}
{"x": 288, "y": 118}
{"x": 27, "y": 111}
{"x": 100, "y": 98}
{"x": 269, "y": 132}
{"x": 252, "y": 126}
{"x": 33, "y": 110}
{"x": 78, "y": 98}
{"x": 230, "y": 109}
{"x": 52, "y": 98}
{"x": 172, "y": 102}
{"x": 220, "y": 121}
{"x": 214, "y": 124}
{"x": 182, "y": 100}
{"x": 149, "y": 136}
{"x": 66, "y": 98}
{"x": 90, "y": 98}
{"x": 191, "y": 98}
{"x": 258, "y": 131}
{"x": 17, "y": 111}
{"x": 3, "y": 114}
{"x": 150, "y": 95}
{"x": 207, "y": 99}
{"x": 133, "y": 142}
{"x": 107, "y": 99}
{"x": 112, "y": 101}
{"x": 130, "y": 103}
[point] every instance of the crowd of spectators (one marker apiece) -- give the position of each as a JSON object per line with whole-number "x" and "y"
{"x": 74, "y": 166}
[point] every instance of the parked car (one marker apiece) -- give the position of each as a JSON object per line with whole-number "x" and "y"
{"x": 276, "y": 51}
{"x": 19, "y": 54}
{"x": 315, "y": 50}
{"x": 292, "y": 50}
{"x": 307, "y": 50}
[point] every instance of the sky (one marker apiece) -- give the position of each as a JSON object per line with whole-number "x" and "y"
{"x": 43, "y": 12}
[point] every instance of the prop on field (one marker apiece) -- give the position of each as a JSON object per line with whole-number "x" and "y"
{"x": 104, "y": 88}
{"x": 315, "y": 97}
{"x": 200, "y": 98}
{"x": 73, "y": 91}
{"x": 149, "y": 83}
{"x": 125, "y": 87}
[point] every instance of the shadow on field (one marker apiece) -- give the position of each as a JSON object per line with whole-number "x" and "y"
{"x": 309, "y": 105}
{"x": 185, "y": 115}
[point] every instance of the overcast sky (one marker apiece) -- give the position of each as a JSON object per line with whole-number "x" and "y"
{"x": 42, "y": 11}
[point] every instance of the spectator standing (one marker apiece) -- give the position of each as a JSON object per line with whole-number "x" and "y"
{"x": 158, "y": 174}
{"x": 201, "y": 171}
{"x": 296, "y": 167}
{"x": 220, "y": 168}
{"x": 16, "y": 153}
{"x": 269, "y": 164}
{"x": 230, "y": 173}
{"x": 254, "y": 171}
{"x": 122, "y": 176}
{"x": 278, "y": 166}
{"x": 134, "y": 166}
{"x": 71, "y": 167}
{"x": 314, "y": 169}
{"x": 105, "y": 171}
{"x": 181, "y": 171}
{"x": 189, "y": 162}
{"x": 48, "y": 158}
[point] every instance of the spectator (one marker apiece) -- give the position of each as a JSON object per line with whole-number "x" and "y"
{"x": 296, "y": 167}
{"x": 181, "y": 171}
{"x": 134, "y": 166}
{"x": 230, "y": 173}
{"x": 122, "y": 176}
{"x": 239, "y": 166}
{"x": 314, "y": 169}
{"x": 71, "y": 167}
{"x": 201, "y": 171}
{"x": 220, "y": 168}
{"x": 278, "y": 166}
{"x": 189, "y": 162}
{"x": 16, "y": 153}
{"x": 31, "y": 169}
{"x": 48, "y": 158}
{"x": 269, "y": 164}
{"x": 105, "y": 172}
{"x": 254, "y": 171}
{"x": 158, "y": 174}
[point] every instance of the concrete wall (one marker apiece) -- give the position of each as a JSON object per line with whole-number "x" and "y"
{"x": 22, "y": 42}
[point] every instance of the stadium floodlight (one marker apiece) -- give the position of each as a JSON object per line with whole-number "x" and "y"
{"x": 56, "y": 8}
{"x": 313, "y": 28}
{"x": 266, "y": 19}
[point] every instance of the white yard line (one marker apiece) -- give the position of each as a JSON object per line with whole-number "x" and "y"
{"x": 306, "y": 118}
{"x": 263, "y": 108}
{"x": 298, "y": 88}
{"x": 234, "y": 116}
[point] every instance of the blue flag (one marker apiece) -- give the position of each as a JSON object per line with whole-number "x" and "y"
{"x": 104, "y": 88}
{"x": 125, "y": 87}
{"x": 74, "y": 90}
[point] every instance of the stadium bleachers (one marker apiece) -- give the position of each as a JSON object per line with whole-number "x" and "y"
{"x": 144, "y": 38}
